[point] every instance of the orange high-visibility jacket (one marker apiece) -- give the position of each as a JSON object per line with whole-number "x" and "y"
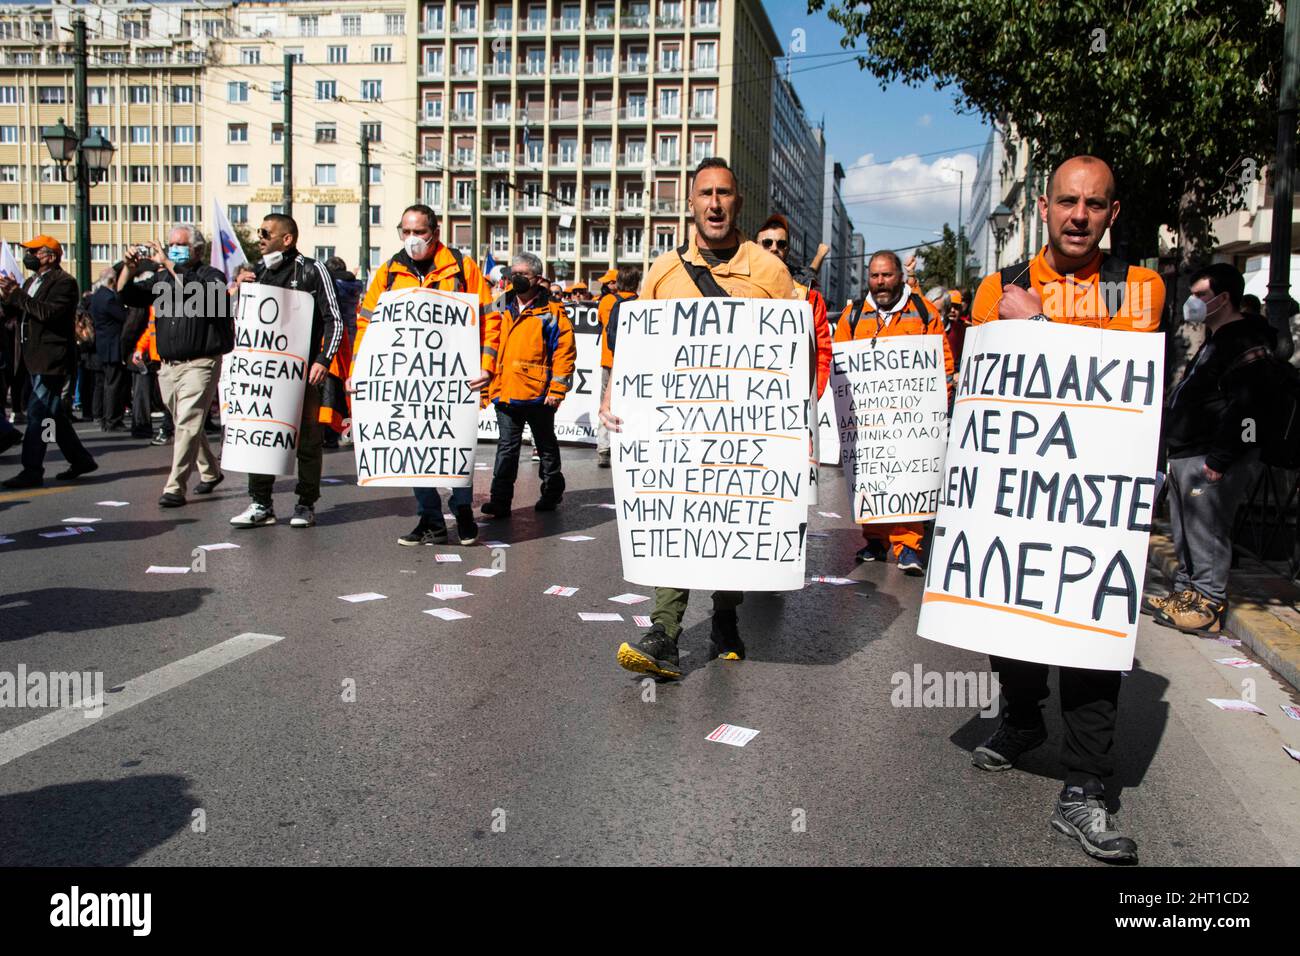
{"x": 821, "y": 333}
{"x": 537, "y": 354}
{"x": 1076, "y": 299}
{"x": 148, "y": 340}
{"x": 444, "y": 275}
{"x": 910, "y": 321}
{"x": 603, "y": 310}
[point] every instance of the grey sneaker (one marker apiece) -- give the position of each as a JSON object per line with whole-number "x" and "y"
{"x": 1003, "y": 749}
{"x": 1084, "y": 817}
{"x": 304, "y": 516}
{"x": 254, "y": 516}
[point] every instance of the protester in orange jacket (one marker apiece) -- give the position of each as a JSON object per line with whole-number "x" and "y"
{"x": 424, "y": 262}
{"x": 534, "y": 371}
{"x": 774, "y": 236}
{"x": 625, "y": 281}
{"x": 892, "y": 308}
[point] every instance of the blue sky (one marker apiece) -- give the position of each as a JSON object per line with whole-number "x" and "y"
{"x": 899, "y": 189}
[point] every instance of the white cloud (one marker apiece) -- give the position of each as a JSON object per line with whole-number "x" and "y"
{"x": 924, "y": 119}
{"x": 919, "y": 196}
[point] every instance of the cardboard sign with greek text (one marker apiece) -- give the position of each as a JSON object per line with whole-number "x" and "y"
{"x": 264, "y": 380}
{"x": 711, "y": 467}
{"x": 891, "y": 410}
{"x": 1045, "y": 507}
{"x": 414, "y": 417}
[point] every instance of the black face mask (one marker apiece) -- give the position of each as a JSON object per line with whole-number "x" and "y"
{"x": 32, "y": 261}
{"x": 520, "y": 285}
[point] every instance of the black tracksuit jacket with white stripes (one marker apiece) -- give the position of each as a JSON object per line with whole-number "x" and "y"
{"x": 297, "y": 271}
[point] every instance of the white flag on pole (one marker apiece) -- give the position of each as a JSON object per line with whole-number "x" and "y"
{"x": 227, "y": 253}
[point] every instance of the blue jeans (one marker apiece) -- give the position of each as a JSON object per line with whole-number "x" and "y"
{"x": 45, "y": 404}
{"x": 430, "y": 502}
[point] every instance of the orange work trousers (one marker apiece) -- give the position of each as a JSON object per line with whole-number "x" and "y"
{"x": 905, "y": 534}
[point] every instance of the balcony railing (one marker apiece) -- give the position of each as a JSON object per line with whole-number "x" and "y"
{"x": 566, "y": 24}
{"x": 671, "y": 22}
{"x": 499, "y": 114}
{"x": 464, "y": 26}
{"x": 532, "y": 26}
{"x": 668, "y": 68}
{"x": 705, "y": 21}
{"x": 558, "y": 159}
{"x": 635, "y": 67}
{"x": 594, "y": 252}
{"x": 601, "y": 24}
{"x": 636, "y": 160}
{"x": 704, "y": 69}
{"x": 464, "y": 69}
{"x": 463, "y": 116}
{"x": 566, "y": 114}
{"x": 465, "y": 160}
{"x": 431, "y": 157}
{"x": 496, "y": 26}
{"x": 432, "y": 72}
{"x": 635, "y": 23}
{"x": 599, "y": 114}
{"x": 533, "y": 68}
{"x": 498, "y": 69}
{"x": 431, "y": 116}
{"x": 704, "y": 114}
{"x": 600, "y": 67}
{"x": 597, "y": 205}
{"x": 564, "y": 68}
{"x": 633, "y": 112}
{"x": 675, "y": 113}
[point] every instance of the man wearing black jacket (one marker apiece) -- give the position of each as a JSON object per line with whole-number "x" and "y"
{"x": 1209, "y": 421}
{"x": 111, "y": 382}
{"x": 284, "y": 267}
{"x": 193, "y": 328}
{"x": 45, "y": 309}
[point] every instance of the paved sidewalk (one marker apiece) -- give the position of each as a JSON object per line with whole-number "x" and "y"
{"x": 1262, "y": 609}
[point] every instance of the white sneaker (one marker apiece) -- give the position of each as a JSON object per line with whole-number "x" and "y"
{"x": 304, "y": 516}
{"x": 254, "y": 516}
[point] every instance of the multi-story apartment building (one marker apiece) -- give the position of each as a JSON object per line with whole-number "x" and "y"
{"x": 353, "y": 76}
{"x": 837, "y": 233}
{"x": 144, "y": 69}
{"x": 568, "y": 128}
{"x": 857, "y": 266}
{"x": 798, "y": 164}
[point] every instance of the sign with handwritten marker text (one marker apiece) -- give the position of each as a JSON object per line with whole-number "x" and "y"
{"x": 1046, "y": 501}
{"x": 414, "y": 417}
{"x": 711, "y": 467}
{"x": 891, "y": 409}
{"x": 264, "y": 380}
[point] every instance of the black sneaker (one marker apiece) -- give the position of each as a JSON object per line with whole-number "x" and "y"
{"x": 547, "y": 504}
{"x": 1084, "y": 816}
{"x": 207, "y": 487}
{"x": 25, "y": 479}
{"x": 171, "y": 500}
{"x": 76, "y": 471}
{"x": 161, "y": 439}
{"x": 655, "y": 653}
{"x": 426, "y": 532}
{"x": 496, "y": 509}
{"x": 724, "y": 640}
{"x": 872, "y": 551}
{"x": 602, "y": 459}
{"x": 466, "y": 526}
{"x": 1004, "y": 748}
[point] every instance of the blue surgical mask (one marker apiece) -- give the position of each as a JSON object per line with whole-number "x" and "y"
{"x": 178, "y": 254}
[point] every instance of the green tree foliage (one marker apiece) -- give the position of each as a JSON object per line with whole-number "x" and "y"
{"x": 1179, "y": 96}
{"x": 938, "y": 263}
{"x": 246, "y": 242}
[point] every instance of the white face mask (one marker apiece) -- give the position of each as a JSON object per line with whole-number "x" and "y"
{"x": 272, "y": 259}
{"x": 416, "y": 247}
{"x": 1194, "y": 311}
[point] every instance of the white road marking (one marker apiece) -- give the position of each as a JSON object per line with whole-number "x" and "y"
{"x": 42, "y": 731}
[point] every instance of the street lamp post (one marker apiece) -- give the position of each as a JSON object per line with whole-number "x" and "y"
{"x": 85, "y": 156}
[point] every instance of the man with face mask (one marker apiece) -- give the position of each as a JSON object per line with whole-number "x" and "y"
{"x": 424, "y": 262}
{"x": 1211, "y": 467}
{"x": 892, "y": 308}
{"x": 44, "y": 309}
{"x": 534, "y": 373}
{"x": 1070, "y": 280}
{"x": 284, "y": 267}
{"x": 193, "y": 327}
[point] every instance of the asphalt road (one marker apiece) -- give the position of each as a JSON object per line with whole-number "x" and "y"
{"x": 512, "y": 736}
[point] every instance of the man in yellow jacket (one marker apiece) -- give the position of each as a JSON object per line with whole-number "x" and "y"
{"x": 535, "y": 354}
{"x": 719, "y": 261}
{"x": 425, "y": 262}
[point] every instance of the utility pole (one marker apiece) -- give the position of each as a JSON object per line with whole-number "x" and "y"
{"x": 1279, "y": 253}
{"x": 82, "y": 123}
{"x": 287, "y": 200}
{"x": 363, "y": 264}
{"x": 473, "y": 218}
{"x": 961, "y": 230}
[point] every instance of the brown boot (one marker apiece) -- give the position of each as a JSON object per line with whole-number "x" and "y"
{"x": 1154, "y": 604}
{"x": 1198, "y": 616}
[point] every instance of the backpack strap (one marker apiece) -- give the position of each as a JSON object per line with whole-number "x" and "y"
{"x": 1017, "y": 275}
{"x": 389, "y": 276}
{"x": 1113, "y": 272}
{"x": 918, "y": 305}
{"x": 611, "y": 324}
{"x": 460, "y": 268}
{"x": 856, "y": 316}
{"x": 701, "y": 276}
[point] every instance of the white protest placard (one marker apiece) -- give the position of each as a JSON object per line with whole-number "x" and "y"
{"x": 711, "y": 468}
{"x": 891, "y": 411}
{"x": 1040, "y": 543}
{"x": 414, "y": 417}
{"x": 578, "y": 417}
{"x": 264, "y": 380}
{"x": 828, "y": 435}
